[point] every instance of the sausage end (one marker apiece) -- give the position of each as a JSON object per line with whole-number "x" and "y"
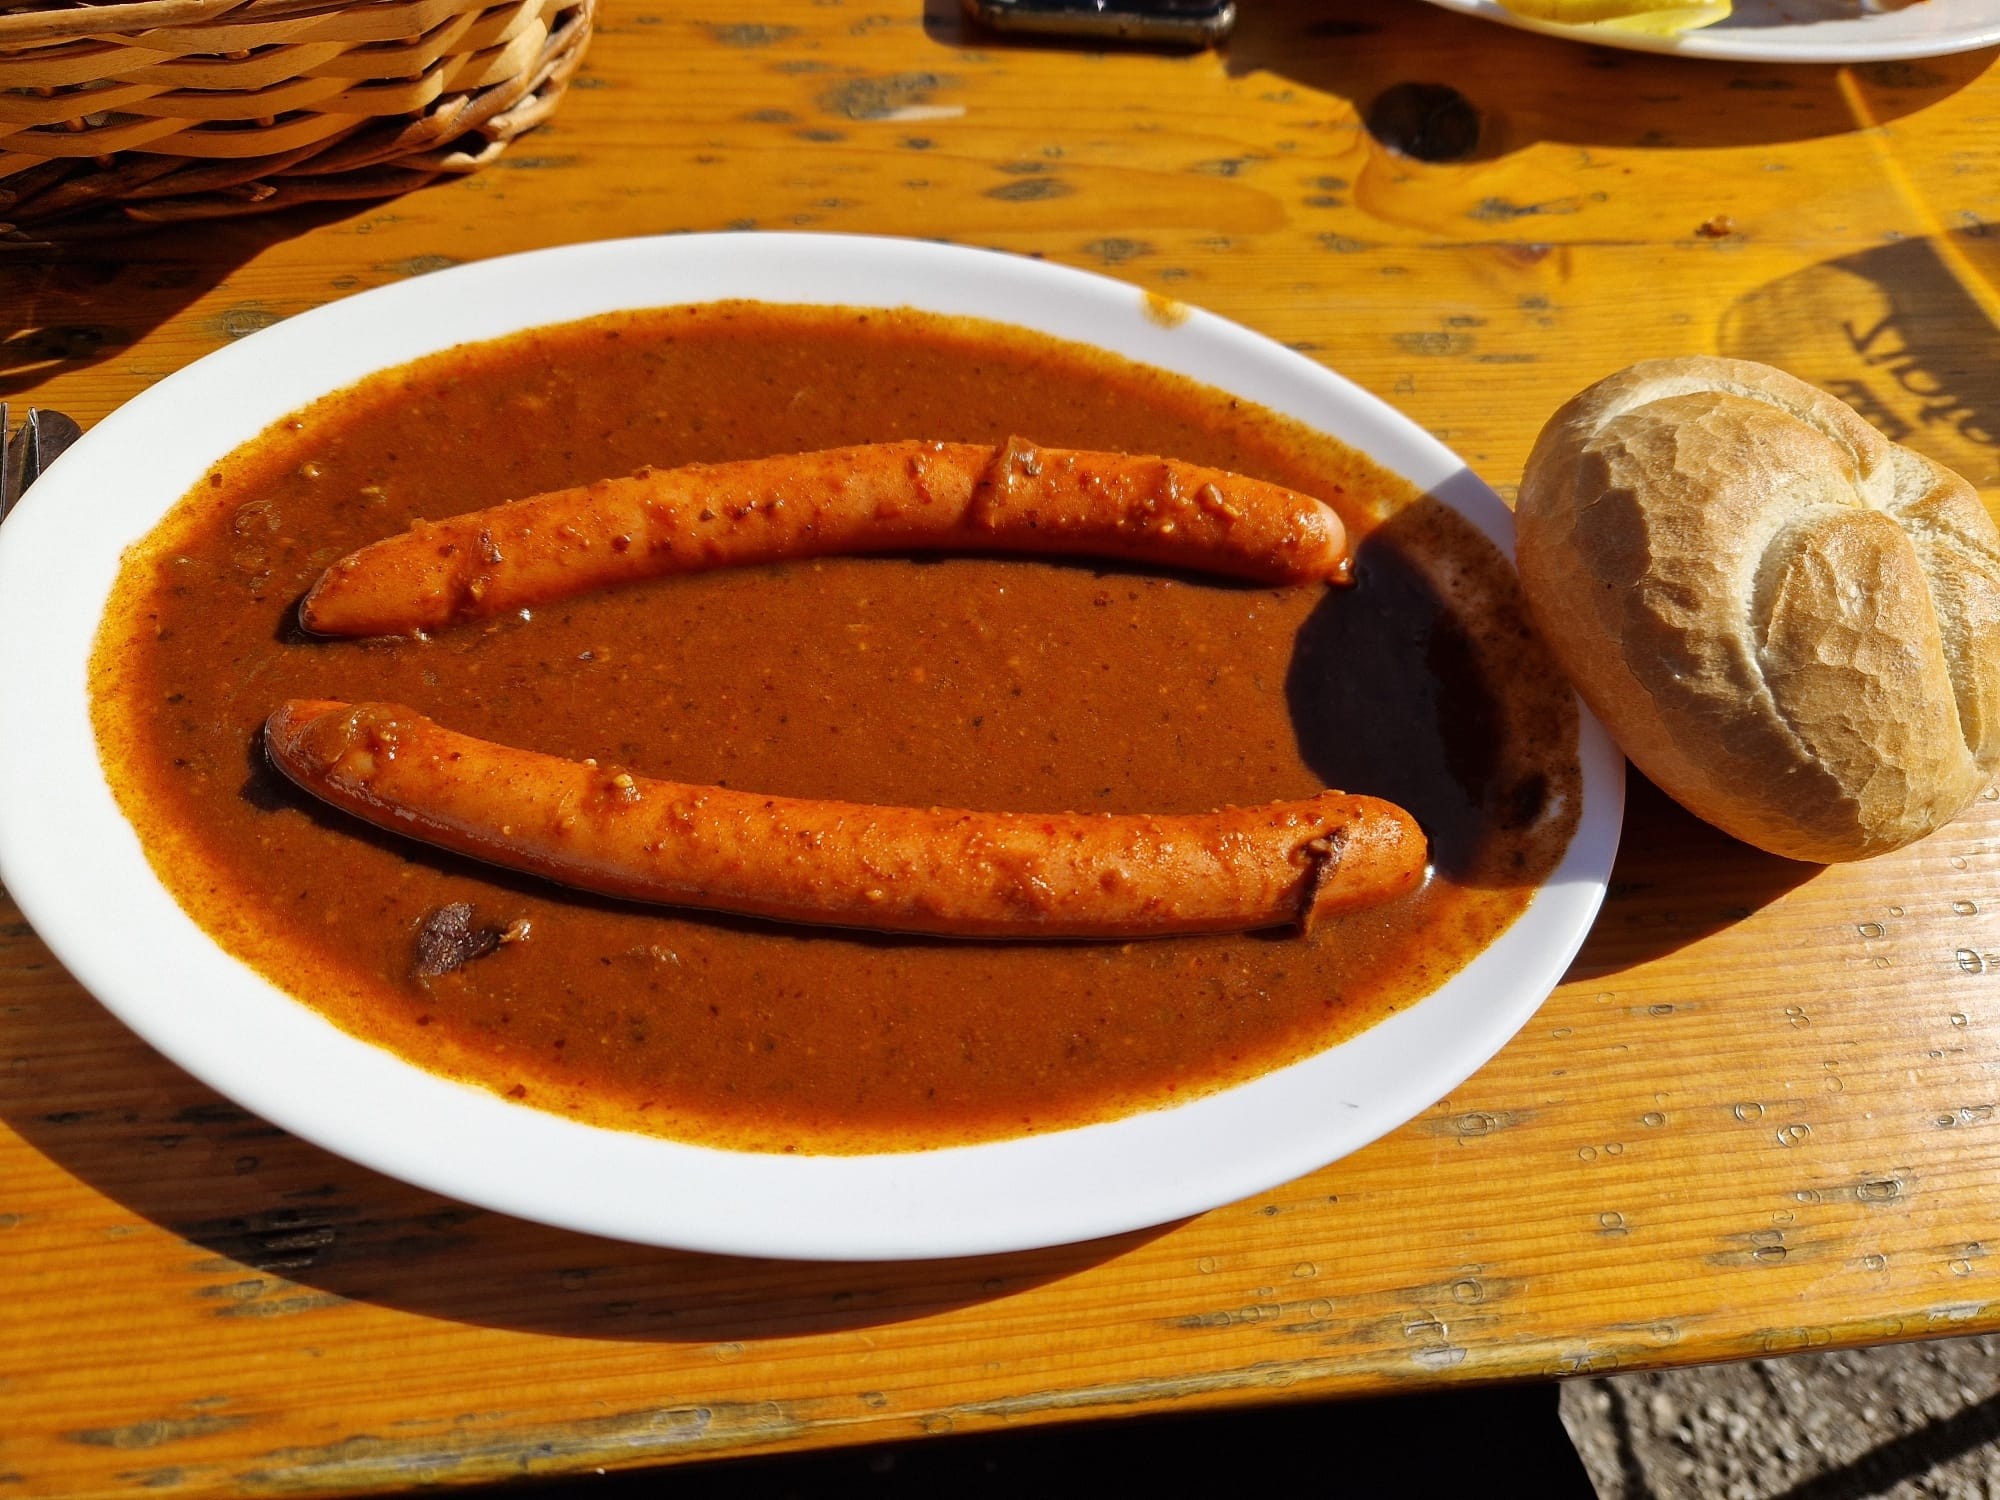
{"x": 321, "y": 744}
{"x": 1376, "y": 855}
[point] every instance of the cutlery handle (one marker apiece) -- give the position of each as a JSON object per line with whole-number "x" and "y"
{"x": 25, "y": 452}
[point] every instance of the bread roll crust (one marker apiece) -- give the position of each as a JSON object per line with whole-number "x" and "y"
{"x": 1790, "y": 624}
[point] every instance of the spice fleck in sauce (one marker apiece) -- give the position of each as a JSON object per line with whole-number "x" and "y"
{"x": 968, "y": 682}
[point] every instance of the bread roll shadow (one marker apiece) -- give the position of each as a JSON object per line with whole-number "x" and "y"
{"x": 1677, "y": 880}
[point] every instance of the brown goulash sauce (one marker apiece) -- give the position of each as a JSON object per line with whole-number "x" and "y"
{"x": 973, "y": 682}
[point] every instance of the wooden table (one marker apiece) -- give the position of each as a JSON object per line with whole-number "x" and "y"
{"x": 1762, "y": 1113}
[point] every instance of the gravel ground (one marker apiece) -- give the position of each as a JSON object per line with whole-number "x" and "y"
{"x": 1902, "y": 1421}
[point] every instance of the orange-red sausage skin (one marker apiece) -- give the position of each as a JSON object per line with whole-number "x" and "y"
{"x": 882, "y": 497}
{"x": 939, "y": 871}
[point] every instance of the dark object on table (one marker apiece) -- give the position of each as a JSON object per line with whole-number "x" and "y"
{"x": 1427, "y": 121}
{"x": 1187, "y": 23}
{"x": 26, "y": 451}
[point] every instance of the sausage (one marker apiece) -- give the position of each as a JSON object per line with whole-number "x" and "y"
{"x": 939, "y": 871}
{"x": 885, "y": 497}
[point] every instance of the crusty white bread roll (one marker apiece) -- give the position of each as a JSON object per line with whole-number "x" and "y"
{"x": 1790, "y": 623}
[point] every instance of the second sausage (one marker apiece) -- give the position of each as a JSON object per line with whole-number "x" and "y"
{"x": 942, "y": 871}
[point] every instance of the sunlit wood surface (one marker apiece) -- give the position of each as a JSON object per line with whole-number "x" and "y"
{"x": 1763, "y": 1112}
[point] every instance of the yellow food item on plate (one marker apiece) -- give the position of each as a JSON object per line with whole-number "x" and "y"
{"x": 1651, "y": 17}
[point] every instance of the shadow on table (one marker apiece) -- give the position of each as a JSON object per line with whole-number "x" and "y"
{"x": 296, "y": 1230}
{"x": 70, "y": 305}
{"x": 1904, "y": 332}
{"x": 1442, "y": 86}
{"x": 1677, "y": 880}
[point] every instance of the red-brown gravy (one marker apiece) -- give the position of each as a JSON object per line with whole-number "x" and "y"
{"x": 970, "y": 682}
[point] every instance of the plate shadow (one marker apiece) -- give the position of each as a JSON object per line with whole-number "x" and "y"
{"x": 281, "y": 1228}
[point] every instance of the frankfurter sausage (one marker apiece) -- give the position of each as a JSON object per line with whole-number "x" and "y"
{"x": 885, "y": 497}
{"x": 896, "y": 869}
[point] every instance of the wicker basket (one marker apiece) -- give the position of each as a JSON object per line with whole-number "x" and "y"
{"x": 183, "y": 109}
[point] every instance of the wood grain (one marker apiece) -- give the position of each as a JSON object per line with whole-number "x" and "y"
{"x": 1761, "y": 1114}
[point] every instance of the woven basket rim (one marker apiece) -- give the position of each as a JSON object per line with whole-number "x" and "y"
{"x": 161, "y": 149}
{"x": 44, "y": 20}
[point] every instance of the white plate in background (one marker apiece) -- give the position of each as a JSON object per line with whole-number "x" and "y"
{"x": 1798, "y": 31}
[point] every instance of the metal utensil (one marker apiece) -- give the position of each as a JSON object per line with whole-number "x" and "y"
{"x": 25, "y": 452}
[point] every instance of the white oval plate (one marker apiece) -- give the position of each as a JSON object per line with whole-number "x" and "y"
{"x": 70, "y": 858}
{"x": 1796, "y": 31}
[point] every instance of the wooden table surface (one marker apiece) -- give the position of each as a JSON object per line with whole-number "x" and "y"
{"x": 1762, "y": 1113}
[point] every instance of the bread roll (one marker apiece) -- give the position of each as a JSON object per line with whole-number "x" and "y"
{"x": 1790, "y": 623}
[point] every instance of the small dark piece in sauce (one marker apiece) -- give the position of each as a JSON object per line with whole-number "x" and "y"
{"x": 965, "y": 682}
{"x": 447, "y": 940}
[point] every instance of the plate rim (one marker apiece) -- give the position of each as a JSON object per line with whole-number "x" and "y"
{"x": 985, "y": 1198}
{"x": 1760, "y": 44}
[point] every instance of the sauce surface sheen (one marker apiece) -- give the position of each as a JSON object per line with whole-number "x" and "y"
{"x": 967, "y": 682}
